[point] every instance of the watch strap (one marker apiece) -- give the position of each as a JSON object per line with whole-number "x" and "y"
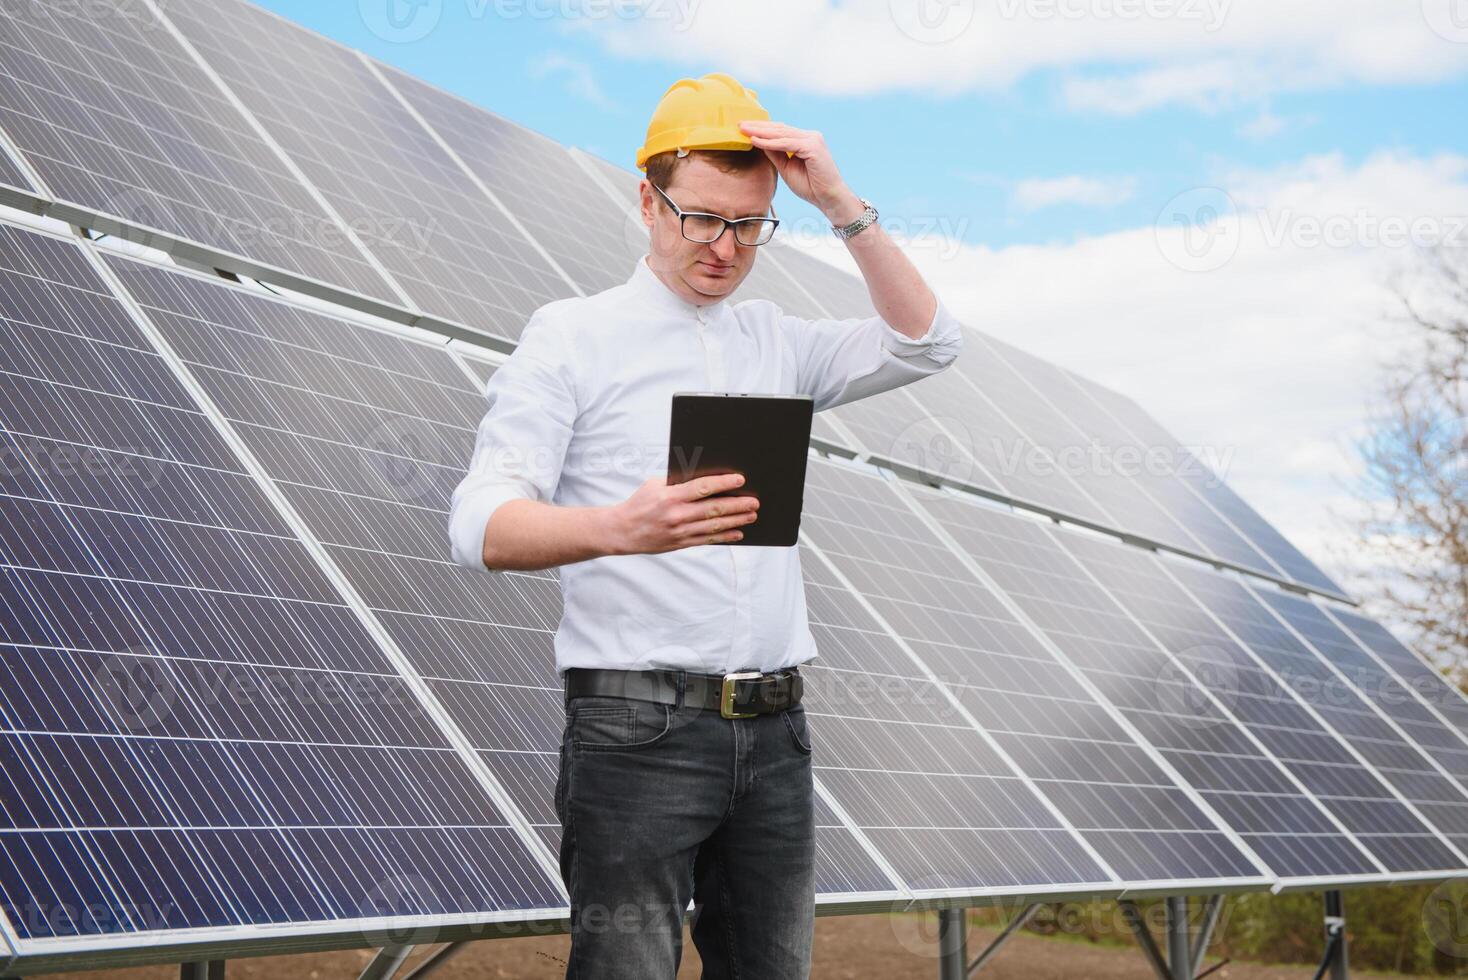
{"x": 863, "y": 221}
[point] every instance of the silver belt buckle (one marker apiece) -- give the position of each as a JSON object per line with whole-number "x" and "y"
{"x": 726, "y": 695}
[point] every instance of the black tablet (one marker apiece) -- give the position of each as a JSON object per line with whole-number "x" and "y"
{"x": 765, "y": 437}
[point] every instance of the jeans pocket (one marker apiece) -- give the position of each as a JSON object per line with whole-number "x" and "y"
{"x": 612, "y": 724}
{"x": 560, "y": 795}
{"x": 796, "y": 725}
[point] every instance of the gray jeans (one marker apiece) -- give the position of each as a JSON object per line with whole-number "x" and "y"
{"x": 662, "y": 803}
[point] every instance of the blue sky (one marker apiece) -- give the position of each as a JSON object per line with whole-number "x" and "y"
{"x": 959, "y": 155}
{"x": 1043, "y": 163}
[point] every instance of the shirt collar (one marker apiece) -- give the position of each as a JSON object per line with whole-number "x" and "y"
{"x": 646, "y": 284}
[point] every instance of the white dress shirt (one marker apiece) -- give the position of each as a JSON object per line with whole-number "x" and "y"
{"x": 579, "y": 414}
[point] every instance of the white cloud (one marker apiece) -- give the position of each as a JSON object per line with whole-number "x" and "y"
{"x": 1035, "y": 193}
{"x": 577, "y": 78}
{"x": 1119, "y": 56}
{"x": 1270, "y": 361}
{"x": 1262, "y": 126}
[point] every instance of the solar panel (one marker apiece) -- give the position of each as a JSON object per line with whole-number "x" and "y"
{"x": 947, "y": 428}
{"x": 479, "y": 367}
{"x": 536, "y": 179}
{"x": 10, "y": 173}
{"x": 1383, "y": 821}
{"x": 1138, "y": 466}
{"x": 838, "y": 292}
{"x": 1274, "y": 815}
{"x": 442, "y": 239}
{"x": 1240, "y": 737}
{"x": 366, "y": 433}
{"x": 986, "y": 366}
{"x": 1068, "y": 747}
{"x": 940, "y": 805}
{"x": 199, "y": 734}
{"x": 120, "y": 121}
{"x": 1426, "y": 683}
{"x": 1208, "y": 485}
{"x": 843, "y": 866}
{"x": 1374, "y": 713}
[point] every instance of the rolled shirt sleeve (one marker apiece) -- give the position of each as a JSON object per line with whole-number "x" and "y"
{"x": 840, "y": 361}
{"x": 520, "y": 445}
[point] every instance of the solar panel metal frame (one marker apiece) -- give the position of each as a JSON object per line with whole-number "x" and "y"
{"x": 92, "y": 951}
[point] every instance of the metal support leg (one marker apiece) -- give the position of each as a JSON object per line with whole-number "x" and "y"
{"x": 1206, "y": 928}
{"x": 1335, "y": 938}
{"x": 386, "y": 963}
{"x": 953, "y": 944}
{"x": 1133, "y": 916}
{"x": 202, "y": 970}
{"x": 992, "y": 950}
{"x": 437, "y": 960}
{"x": 1179, "y": 950}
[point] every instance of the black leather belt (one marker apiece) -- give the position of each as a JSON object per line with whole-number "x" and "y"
{"x": 737, "y": 695}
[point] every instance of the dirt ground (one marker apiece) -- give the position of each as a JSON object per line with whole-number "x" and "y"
{"x": 846, "y": 948}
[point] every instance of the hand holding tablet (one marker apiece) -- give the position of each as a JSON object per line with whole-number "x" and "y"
{"x": 764, "y": 437}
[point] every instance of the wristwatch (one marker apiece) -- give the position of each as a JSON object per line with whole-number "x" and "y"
{"x": 866, "y": 219}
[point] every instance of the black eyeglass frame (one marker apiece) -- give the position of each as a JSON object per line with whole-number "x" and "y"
{"x": 727, "y": 222}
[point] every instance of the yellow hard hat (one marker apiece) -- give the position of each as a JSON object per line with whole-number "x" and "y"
{"x": 701, "y": 114}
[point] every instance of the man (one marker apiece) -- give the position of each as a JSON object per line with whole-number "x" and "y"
{"x": 666, "y": 791}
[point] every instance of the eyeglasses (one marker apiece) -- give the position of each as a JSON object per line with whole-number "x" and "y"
{"x": 703, "y": 227}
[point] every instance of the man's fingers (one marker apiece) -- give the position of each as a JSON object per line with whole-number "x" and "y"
{"x": 716, "y": 507}
{"x": 706, "y": 485}
{"x": 719, "y": 538}
{"x": 702, "y": 529}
